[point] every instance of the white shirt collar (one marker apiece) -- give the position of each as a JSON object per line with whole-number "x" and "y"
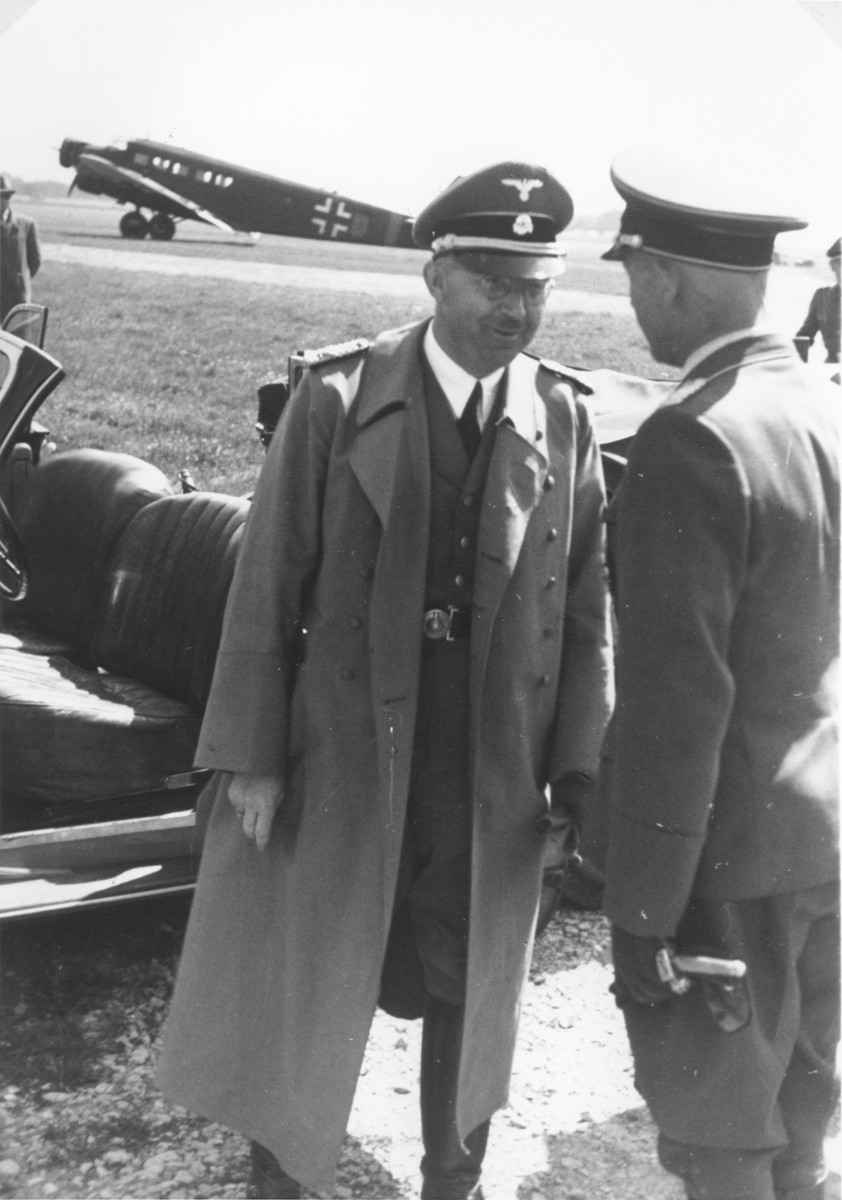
{"x": 715, "y": 344}
{"x": 455, "y": 381}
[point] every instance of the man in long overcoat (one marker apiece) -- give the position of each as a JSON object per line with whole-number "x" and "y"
{"x": 824, "y": 315}
{"x": 723, "y": 829}
{"x": 20, "y": 253}
{"x": 416, "y": 645}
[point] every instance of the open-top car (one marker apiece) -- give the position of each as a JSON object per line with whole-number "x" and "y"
{"x": 113, "y": 592}
{"x": 113, "y": 587}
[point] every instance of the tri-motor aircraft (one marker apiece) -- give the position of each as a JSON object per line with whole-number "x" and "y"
{"x": 180, "y": 185}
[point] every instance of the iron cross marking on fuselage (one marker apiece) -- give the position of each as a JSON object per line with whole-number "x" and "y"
{"x": 326, "y": 207}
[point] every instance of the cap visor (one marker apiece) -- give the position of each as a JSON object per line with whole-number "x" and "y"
{"x": 614, "y": 253}
{"x": 515, "y": 266}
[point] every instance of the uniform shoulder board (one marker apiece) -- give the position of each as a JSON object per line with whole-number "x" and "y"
{"x": 332, "y": 354}
{"x": 299, "y": 362}
{"x": 576, "y": 378}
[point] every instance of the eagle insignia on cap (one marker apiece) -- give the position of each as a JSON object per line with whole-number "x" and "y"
{"x": 524, "y": 186}
{"x": 513, "y": 210}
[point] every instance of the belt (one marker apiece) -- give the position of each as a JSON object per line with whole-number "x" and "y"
{"x": 447, "y": 624}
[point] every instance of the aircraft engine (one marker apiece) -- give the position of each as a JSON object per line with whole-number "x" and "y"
{"x": 70, "y": 151}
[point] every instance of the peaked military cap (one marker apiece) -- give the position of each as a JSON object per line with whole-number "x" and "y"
{"x": 502, "y": 220}
{"x": 683, "y": 210}
{"x": 835, "y": 251}
{"x": 5, "y": 190}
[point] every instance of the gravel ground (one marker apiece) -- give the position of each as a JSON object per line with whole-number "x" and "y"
{"x": 80, "y": 1117}
{"x": 574, "y": 1127}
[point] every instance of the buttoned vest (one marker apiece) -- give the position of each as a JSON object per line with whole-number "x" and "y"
{"x": 456, "y": 488}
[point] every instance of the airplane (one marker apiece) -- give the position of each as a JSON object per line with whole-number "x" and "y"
{"x": 180, "y": 185}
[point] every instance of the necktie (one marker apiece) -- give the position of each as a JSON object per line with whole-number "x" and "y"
{"x": 468, "y": 423}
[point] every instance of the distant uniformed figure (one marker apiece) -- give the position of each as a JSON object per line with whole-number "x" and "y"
{"x": 416, "y": 644}
{"x": 824, "y": 313}
{"x": 20, "y": 254}
{"x": 722, "y": 831}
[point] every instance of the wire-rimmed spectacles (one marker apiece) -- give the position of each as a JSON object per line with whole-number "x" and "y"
{"x": 533, "y": 292}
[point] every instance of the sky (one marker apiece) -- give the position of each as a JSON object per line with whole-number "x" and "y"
{"x": 388, "y": 102}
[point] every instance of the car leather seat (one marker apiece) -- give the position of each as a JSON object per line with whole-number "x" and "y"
{"x": 127, "y": 717}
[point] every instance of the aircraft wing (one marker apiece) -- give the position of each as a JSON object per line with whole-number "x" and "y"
{"x": 129, "y": 185}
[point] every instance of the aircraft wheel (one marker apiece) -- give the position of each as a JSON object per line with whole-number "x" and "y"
{"x": 134, "y": 225}
{"x": 161, "y": 227}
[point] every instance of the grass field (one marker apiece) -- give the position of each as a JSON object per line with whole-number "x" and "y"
{"x": 167, "y": 367}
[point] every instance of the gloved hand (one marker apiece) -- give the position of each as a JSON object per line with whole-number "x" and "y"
{"x": 636, "y": 977}
{"x": 560, "y": 828}
{"x": 563, "y": 823}
{"x": 572, "y": 792}
{"x": 561, "y": 833}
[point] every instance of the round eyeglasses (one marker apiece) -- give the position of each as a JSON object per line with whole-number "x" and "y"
{"x": 533, "y": 292}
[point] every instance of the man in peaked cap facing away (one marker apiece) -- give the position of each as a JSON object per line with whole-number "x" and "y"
{"x": 409, "y": 701}
{"x": 20, "y": 254}
{"x": 723, "y": 825}
{"x": 823, "y": 315}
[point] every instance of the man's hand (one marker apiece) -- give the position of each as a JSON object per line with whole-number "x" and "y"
{"x": 561, "y": 830}
{"x": 256, "y": 799}
{"x": 636, "y": 970}
{"x": 563, "y": 823}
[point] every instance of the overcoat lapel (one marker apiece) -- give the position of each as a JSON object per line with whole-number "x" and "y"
{"x": 390, "y": 457}
{"x": 514, "y": 486}
{"x": 390, "y": 381}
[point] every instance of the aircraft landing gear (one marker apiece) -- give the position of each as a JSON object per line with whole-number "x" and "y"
{"x": 161, "y": 227}
{"x": 134, "y": 225}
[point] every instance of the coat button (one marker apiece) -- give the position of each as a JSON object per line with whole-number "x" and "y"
{"x": 460, "y": 581}
{"x": 545, "y": 680}
{"x": 465, "y": 542}
{"x": 468, "y": 501}
{"x": 552, "y": 534}
{"x": 355, "y": 623}
{"x": 551, "y": 582}
{"x": 549, "y": 483}
{"x": 346, "y": 673}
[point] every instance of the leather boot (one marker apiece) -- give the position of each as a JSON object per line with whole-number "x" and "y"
{"x": 268, "y": 1180}
{"x": 451, "y": 1168}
